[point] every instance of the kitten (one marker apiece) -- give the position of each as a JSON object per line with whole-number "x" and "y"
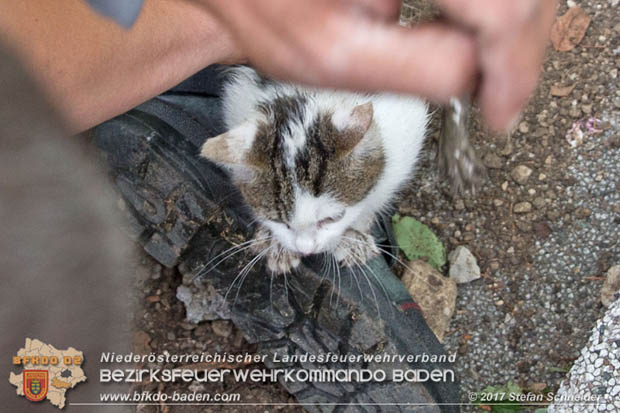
{"x": 316, "y": 166}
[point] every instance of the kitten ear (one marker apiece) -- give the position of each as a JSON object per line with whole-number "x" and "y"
{"x": 354, "y": 124}
{"x": 230, "y": 148}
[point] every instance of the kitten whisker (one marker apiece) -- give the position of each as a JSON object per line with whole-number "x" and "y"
{"x": 383, "y": 250}
{"x": 359, "y": 288}
{"x": 241, "y": 273}
{"x": 376, "y": 277}
{"x": 339, "y": 278}
{"x": 234, "y": 250}
{"x": 247, "y": 272}
{"x": 333, "y": 279}
{"x": 271, "y": 291}
{"x": 372, "y": 290}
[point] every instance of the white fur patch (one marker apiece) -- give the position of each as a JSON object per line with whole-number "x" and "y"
{"x": 399, "y": 122}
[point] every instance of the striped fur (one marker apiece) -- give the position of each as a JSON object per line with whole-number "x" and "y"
{"x": 314, "y": 164}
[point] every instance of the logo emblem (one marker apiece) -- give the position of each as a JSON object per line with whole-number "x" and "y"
{"x": 36, "y": 383}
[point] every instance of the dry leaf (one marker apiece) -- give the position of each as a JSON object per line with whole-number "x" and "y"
{"x": 537, "y": 387}
{"x": 568, "y": 30}
{"x": 561, "y": 91}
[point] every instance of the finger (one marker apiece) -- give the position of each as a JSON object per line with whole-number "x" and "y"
{"x": 387, "y": 10}
{"x": 490, "y": 16}
{"x": 507, "y": 83}
{"x": 511, "y": 64}
{"x": 431, "y": 60}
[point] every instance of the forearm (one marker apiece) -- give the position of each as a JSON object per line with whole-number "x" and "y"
{"x": 93, "y": 70}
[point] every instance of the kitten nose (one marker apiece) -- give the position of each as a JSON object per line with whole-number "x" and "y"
{"x": 305, "y": 246}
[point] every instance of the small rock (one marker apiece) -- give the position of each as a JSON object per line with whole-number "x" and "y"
{"x": 156, "y": 272}
{"x": 505, "y": 186}
{"x": 140, "y": 342}
{"x": 524, "y": 127}
{"x": 222, "y": 328}
{"x": 522, "y": 207}
{"x": 520, "y": 174}
{"x": 463, "y": 266}
{"x": 611, "y": 286}
{"x": 498, "y": 202}
{"x": 459, "y": 205}
{"x": 524, "y": 226}
{"x": 539, "y": 202}
{"x": 434, "y": 293}
{"x": 492, "y": 161}
{"x": 582, "y": 213}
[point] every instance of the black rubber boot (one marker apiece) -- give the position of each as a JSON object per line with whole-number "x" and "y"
{"x": 184, "y": 211}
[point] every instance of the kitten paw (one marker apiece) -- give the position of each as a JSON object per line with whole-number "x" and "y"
{"x": 279, "y": 259}
{"x": 355, "y": 248}
{"x": 282, "y": 261}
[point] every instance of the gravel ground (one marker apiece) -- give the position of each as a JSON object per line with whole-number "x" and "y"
{"x": 596, "y": 374}
{"x": 543, "y": 243}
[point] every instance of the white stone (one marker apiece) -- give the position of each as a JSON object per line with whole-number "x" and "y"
{"x": 463, "y": 266}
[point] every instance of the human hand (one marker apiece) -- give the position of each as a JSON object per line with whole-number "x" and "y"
{"x": 511, "y": 40}
{"x": 351, "y": 44}
{"x": 355, "y": 44}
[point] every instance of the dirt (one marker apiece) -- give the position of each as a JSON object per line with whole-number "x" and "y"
{"x": 161, "y": 327}
{"x": 504, "y": 241}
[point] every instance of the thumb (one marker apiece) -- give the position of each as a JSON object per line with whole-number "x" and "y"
{"x": 431, "y": 60}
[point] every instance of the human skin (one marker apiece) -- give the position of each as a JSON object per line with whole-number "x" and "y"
{"x": 355, "y": 44}
{"x": 91, "y": 69}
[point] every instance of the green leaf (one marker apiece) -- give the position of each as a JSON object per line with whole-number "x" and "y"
{"x": 417, "y": 241}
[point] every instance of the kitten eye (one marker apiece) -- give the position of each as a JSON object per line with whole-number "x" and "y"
{"x": 330, "y": 220}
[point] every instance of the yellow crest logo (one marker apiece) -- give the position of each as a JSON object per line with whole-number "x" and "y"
{"x": 36, "y": 384}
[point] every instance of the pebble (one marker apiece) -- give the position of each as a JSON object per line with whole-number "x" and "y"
{"x": 611, "y": 286}
{"x": 492, "y": 161}
{"x": 521, "y": 174}
{"x": 463, "y": 266}
{"x": 522, "y": 207}
{"x": 222, "y": 328}
{"x": 539, "y": 202}
{"x": 593, "y": 372}
{"x": 435, "y": 293}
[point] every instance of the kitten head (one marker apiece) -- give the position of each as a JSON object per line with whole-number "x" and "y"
{"x": 303, "y": 169}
